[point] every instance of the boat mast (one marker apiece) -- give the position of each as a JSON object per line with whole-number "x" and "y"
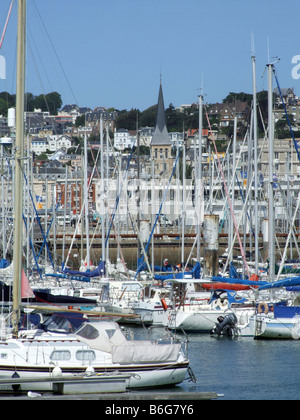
{"x": 19, "y": 152}
{"x": 86, "y": 203}
{"x": 198, "y": 182}
{"x": 255, "y": 146}
{"x": 271, "y": 172}
{"x": 102, "y": 191}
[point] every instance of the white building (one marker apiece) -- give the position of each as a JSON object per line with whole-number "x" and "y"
{"x": 153, "y": 194}
{"x": 52, "y": 143}
{"x": 124, "y": 139}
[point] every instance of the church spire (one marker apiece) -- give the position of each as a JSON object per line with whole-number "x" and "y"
{"x": 160, "y": 136}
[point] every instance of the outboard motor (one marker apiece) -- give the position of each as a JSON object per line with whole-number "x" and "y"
{"x": 226, "y": 325}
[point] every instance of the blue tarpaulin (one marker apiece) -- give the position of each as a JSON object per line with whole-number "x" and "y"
{"x": 288, "y": 282}
{"x": 99, "y": 271}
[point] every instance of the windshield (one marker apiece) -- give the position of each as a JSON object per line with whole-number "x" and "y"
{"x": 64, "y": 322}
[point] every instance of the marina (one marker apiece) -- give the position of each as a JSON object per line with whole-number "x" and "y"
{"x": 175, "y": 277}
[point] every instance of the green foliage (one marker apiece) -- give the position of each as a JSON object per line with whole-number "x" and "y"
{"x": 242, "y": 96}
{"x": 51, "y": 102}
{"x": 6, "y": 101}
{"x": 128, "y": 119}
{"x": 80, "y": 121}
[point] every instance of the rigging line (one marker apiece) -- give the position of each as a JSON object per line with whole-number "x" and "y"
{"x": 118, "y": 197}
{"x": 239, "y": 221}
{"x": 77, "y": 224}
{"x": 52, "y": 45}
{"x": 110, "y": 217}
{"x": 6, "y": 23}
{"x": 40, "y": 80}
{"x": 228, "y": 198}
{"x": 29, "y": 42}
{"x": 297, "y": 147}
{"x": 140, "y": 263}
{"x": 291, "y": 231}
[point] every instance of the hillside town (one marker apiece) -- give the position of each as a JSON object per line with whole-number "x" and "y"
{"x": 55, "y": 147}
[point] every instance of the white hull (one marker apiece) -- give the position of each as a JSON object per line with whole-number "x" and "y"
{"x": 205, "y": 320}
{"x": 277, "y": 328}
{"x": 107, "y": 352}
{"x": 268, "y": 327}
{"x": 150, "y": 315}
{"x": 197, "y": 321}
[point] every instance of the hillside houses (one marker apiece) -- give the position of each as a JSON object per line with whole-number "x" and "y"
{"x": 226, "y": 112}
{"x": 50, "y": 143}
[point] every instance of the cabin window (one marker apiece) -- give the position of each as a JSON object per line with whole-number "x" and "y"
{"x": 88, "y": 331}
{"x": 60, "y": 355}
{"x": 3, "y": 355}
{"x": 85, "y": 355}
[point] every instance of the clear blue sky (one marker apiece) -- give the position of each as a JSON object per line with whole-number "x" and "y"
{"x": 113, "y": 51}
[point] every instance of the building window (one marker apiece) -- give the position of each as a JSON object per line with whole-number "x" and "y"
{"x": 166, "y": 153}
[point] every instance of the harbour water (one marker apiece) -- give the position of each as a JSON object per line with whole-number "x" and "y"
{"x": 239, "y": 369}
{"x": 242, "y": 368}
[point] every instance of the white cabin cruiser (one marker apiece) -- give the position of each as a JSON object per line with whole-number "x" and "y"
{"x": 100, "y": 347}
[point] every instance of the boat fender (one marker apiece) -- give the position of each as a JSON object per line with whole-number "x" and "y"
{"x": 90, "y": 371}
{"x": 263, "y": 308}
{"x": 164, "y": 304}
{"x": 57, "y": 371}
{"x": 16, "y": 387}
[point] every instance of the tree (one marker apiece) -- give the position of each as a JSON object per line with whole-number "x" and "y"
{"x": 54, "y": 102}
{"x": 50, "y": 102}
{"x": 80, "y": 121}
{"x": 147, "y": 117}
{"x": 128, "y": 119}
{"x": 241, "y": 96}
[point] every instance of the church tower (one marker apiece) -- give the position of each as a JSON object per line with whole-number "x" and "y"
{"x": 161, "y": 145}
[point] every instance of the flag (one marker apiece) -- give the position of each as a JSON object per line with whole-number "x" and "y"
{"x": 39, "y": 204}
{"x": 26, "y": 291}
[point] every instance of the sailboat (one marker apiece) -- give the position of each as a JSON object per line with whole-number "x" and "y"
{"x": 39, "y": 358}
{"x": 275, "y": 319}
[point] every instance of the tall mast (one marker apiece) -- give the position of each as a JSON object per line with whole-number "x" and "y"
{"x": 271, "y": 171}
{"x": 102, "y": 190}
{"x": 19, "y": 152}
{"x": 86, "y": 202}
{"x": 198, "y": 182}
{"x": 255, "y": 146}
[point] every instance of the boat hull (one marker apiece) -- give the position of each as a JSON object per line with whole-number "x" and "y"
{"x": 140, "y": 377}
{"x": 198, "y": 321}
{"x": 277, "y": 328}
